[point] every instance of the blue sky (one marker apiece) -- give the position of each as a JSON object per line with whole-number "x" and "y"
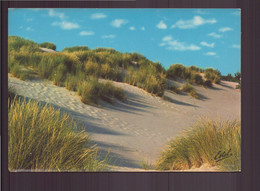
{"x": 201, "y": 37}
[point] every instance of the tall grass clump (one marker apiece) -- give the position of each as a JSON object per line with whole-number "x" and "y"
{"x": 92, "y": 90}
{"x": 111, "y": 91}
{"x": 48, "y": 45}
{"x": 176, "y": 71}
{"x": 174, "y": 89}
{"x": 17, "y": 44}
{"x": 212, "y": 75}
{"x": 215, "y": 143}
{"x": 148, "y": 78}
{"x": 42, "y": 138}
{"x": 89, "y": 90}
{"x": 190, "y": 90}
{"x": 75, "y": 49}
{"x": 208, "y": 83}
{"x": 71, "y": 82}
{"x": 190, "y": 74}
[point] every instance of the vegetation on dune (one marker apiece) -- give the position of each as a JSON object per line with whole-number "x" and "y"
{"x": 193, "y": 75}
{"x": 16, "y": 43}
{"x": 208, "y": 142}
{"x": 231, "y": 78}
{"x": 63, "y": 68}
{"x": 190, "y": 90}
{"x": 235, "y": 78}
{"x": 48, "y": 45}
{"x": 42, "y": 138}
{"x": 101, "y": 63}
{"x": 174, "y": 89}
{"x": 75, "y": 49}
{"x": 91, "y": 91}
{"x": 212, "y": 75}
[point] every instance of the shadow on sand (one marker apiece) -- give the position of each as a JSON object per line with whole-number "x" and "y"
{"x": 115, "y": 159}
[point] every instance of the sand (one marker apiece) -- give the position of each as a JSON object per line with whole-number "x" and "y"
{"x": 139, "y": 129}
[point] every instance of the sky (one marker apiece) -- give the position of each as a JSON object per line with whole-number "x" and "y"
{"x": 200, "y": 37}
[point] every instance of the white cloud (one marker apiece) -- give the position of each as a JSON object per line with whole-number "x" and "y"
{"x": 236, "y": 46}
{"x": 132, "y": 28}
{"x": 142, "y": 28}
{"x": 98, "y": 16}
{"x": 29, "y": 29}
{"x": 193, "y": 23}
{"x": 66, "y": 25}
{"x": 163, "y": 44}
{"x": 225, "y": 29}
{"x": 161, "y": 25}
{"x": 167, "y": 38}
{"x": 171, "y": 44}
{"x": 210, "y": 45}
{"x": 118, "y": 22}
{"x": 108, "y": 36}
{"x": 53, "y": 13}
{"x": 210, "y": 53}
{"x": 86, "y": 33}
{"x": 215, "y": 35}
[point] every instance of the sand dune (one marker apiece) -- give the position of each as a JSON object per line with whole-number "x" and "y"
{"x": 138, "y": 129}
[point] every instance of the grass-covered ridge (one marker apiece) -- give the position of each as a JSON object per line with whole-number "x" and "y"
{"x": 42, "y": 138}
{"x": 208, "y": 142}
{"x": 79, "y": 63}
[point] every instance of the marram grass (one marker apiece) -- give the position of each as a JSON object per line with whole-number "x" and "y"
{"x": 42, "y": 138}
{"x": 215, "y": 143}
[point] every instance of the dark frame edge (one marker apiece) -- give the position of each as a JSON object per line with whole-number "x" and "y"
{"x": 4, "y": 115}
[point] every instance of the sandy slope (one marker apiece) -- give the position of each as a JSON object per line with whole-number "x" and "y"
{"x": 139, "y": 129}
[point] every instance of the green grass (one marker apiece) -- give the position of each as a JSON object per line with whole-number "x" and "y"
{"x": 208, "y": 83}
{"x": 42, "y": 138}
{"x": 20, "y": 72}
{"x": 212, "y": 75}
{"x": 190, "y": 90}
{"x": 174, "y": 89}
{"x": 146, "y": 165}
{"x": 48, "y": 45}
{"x": 91, "y": 91}
{"x": 202, "y": 144}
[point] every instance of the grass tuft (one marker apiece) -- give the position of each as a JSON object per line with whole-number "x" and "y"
{"x": 42, "y": 138}
{"x": 190, "y": 90}
{"x": 207, "y": 142}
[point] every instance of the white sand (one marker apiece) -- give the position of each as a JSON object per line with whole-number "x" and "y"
{"x": 139, "y": 129}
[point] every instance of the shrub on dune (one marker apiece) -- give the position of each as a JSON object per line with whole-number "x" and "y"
{"x": 203, "y": 144}
{"x": 190, "y": 90}
{"x": 16, "y": 43}
{"x": 109, "y": 90}
{"x": 89, "y": 91}
{"x": 59, "y": 75}
{"x": 176, "y": 71}
{"x": 212, "y": 75}
{"x": 196, "y": 78}
{"x": 42, "y": 138}
{"x": 92, "y": 68}
{"x": 48, "y": 45}
{"x": 208, "y": 83}
{"x": 75, "y": 49}
{"x": 187, "y": 87}
{"x": 173, "y": 88}
{"x": 71, "y": 82}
